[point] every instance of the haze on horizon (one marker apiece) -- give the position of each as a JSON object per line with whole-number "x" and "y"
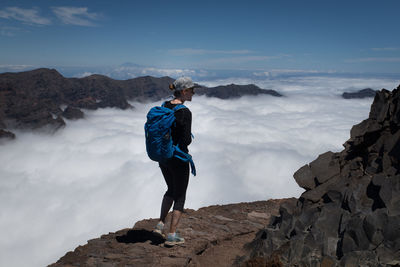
{"x": 201, "y": 37}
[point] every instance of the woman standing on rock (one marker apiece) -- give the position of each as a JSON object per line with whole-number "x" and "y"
{"x": 175, "y": 171}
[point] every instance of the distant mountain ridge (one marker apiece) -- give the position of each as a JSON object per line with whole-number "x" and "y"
{"x": 43, "y": 97}
{"x": 234, "y": 91}
{"x": 367, "y": 92}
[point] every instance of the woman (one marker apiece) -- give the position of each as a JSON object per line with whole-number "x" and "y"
{"x": 175, "y": 171}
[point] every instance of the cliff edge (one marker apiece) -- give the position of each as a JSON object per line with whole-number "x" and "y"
{"x": 214, "y": 236}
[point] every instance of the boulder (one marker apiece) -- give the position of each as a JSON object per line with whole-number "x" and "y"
{"x": 304, "y": 177}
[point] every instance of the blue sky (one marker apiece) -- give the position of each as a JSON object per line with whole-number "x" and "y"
{"x": 313, "y": 36}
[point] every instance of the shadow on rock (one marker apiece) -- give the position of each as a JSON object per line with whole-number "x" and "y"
{"x": 140, "y": 236}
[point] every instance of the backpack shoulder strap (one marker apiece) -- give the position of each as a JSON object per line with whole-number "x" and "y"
{"x": 178, "y": 107}
{"x": 185, "y": 157}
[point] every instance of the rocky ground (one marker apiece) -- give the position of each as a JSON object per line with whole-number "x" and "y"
{"x": 215, "y": 236}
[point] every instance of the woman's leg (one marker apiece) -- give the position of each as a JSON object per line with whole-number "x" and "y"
{"x": 180, "y": 183}
{"x": 168, "y": 196}
{"x": 176, "y": 216}
{"x": 165, "y": 207}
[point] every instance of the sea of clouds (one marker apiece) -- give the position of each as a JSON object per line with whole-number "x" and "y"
{"x": 94, "y": 177}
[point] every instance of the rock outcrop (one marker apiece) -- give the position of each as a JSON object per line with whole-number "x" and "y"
{"x": 349, "y": 214}
{"x": 214, "y": 236}
{"x": 367, "y": 92}
{"x": 33, "y": 99}
{"x": 6, "y": 134}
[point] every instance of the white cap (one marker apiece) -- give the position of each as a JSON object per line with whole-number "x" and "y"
{"x": 182, "y": 83}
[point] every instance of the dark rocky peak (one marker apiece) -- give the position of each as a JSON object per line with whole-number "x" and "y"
{"x": 349, "y": 214}
{"x": 147, "y": 88}
{"x": 32, "y": 99}
{"x": 41, "y": 72}
{"x": 32, "y": 80}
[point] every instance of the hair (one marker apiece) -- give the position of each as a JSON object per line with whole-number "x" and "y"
{"x": 177, "y": 93}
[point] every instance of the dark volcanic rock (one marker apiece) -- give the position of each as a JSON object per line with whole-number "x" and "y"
{"x": 72, "y": 113}
{"x": 368, "y": 92}
{"x": 234, "y": 91}
{"x": 32, "y": 99}
{"x": 6, "y": 134}
{"x": 214, "y": 236}
{"x": 147, "y": 88}
{"x": 349, "y": 214}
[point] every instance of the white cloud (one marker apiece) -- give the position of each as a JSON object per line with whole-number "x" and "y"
{"x": 76, "y": 15}
{"x": 94, "y": 177}
{"x": 7, "y": 68}
{"x": 30, "y": 16}
{"x": 167, "y": 72}
{"x": 9, "y": 31}
{"x": 136, "y": 71}
{"x": 84, "y": 74}
{"x": 277, "y": 72}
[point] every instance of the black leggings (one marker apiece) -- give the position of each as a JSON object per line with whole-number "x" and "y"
{"x": 176, "y": 175}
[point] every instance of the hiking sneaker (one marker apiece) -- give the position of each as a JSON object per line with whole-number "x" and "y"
{"x": 159, "y": 229}
{"x": 174, "y": 239}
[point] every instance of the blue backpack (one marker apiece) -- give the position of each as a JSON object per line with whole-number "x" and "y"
{"x": 159, "y": 145}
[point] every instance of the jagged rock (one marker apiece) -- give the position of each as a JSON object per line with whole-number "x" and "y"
{"x": 214, "y": 236}
{"x": 6, "y": 134}
{"x": 72, "y": 113}
{"x": 304, "y": 177}
{"x": 373, "y": 225}
{"x": 351, "y": 216}
{"x": 325, "y": 167}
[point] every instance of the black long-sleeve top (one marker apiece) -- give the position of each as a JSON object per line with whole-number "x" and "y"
{"x": 181, "y": 131}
